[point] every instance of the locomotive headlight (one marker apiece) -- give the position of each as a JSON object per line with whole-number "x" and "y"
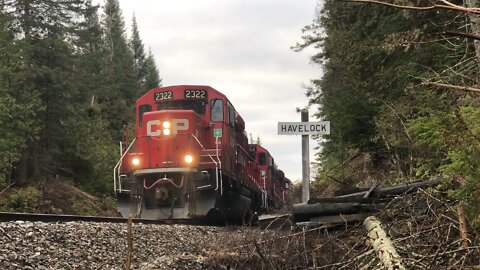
{"x": 188, "y": 159}
{"x": 136, "y": 161}
{"x": 166, "y": 124}
{"x": 166, "y": 131}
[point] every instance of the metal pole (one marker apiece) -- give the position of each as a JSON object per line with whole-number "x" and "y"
{"x": 305, "y": 161}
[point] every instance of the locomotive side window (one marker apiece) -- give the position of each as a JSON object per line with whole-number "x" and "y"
{"x": 141, "y": 110}
{"x": 216, "y": 110}
{"x": 262, "y": 159}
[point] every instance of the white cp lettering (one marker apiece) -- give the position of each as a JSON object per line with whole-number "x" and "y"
{"x": 180, "y": 124}
{"x": 154, "y": 127}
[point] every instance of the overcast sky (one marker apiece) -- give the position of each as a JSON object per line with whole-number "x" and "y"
{"x": 242, "y": 49}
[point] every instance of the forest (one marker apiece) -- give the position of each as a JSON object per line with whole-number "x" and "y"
{"x": 69, "y": 78}
{"x": 400, "y": 87}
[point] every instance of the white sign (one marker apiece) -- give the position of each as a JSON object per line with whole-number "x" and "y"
{"x": 304, "y": 128}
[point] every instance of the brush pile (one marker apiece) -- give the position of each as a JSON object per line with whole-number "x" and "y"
{"x": 427, "y": 229}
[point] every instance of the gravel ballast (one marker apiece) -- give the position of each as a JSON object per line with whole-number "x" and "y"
{"x": 84, "y": 245}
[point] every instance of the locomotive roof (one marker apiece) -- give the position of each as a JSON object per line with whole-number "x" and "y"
{"x": 210, "y": 89}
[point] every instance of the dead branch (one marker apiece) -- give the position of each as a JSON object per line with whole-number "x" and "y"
{"x": 453, "y": 87}
{"x": 7, "y": 188}
{"x": 264, "y": 259}
{"x": 461, "y": 34}
{"x": 424, "y": 227}
{"x": 446, "y": 5}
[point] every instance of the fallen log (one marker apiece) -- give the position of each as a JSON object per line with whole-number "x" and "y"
{"x": 346, "y": 200}
{"x": 382, "y": 245}
{"x": 340, "y": 219}
{"x": 395, "y": 190}
{"x": 305, "y": 211}
{"x": 328, "y": 222}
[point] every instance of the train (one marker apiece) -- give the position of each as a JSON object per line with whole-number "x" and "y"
{"x": 190, "y": 158}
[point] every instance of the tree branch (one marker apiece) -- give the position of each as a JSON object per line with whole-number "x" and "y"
{"x": 454, "y": 87}
{"x": 448, "y": 6}
{"x": 461, "y": 34}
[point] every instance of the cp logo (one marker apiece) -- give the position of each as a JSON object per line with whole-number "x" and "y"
{"x": 154, "y": 127}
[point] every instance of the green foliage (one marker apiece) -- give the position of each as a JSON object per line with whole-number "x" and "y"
{"x": 22, "y": 200}
{"x": 152, "y": 79}
{"x": 375, "y": 61}
{"x": 453, "y": 143}
{"x": 84, "y": 209}
{"x": 68, "y": 85}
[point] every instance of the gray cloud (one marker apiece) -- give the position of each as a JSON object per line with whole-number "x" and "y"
{"x": 241, "y": 48}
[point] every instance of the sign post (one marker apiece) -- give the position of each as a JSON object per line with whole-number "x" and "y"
{"x": 305, "y": 160}
{"x": 305, "y": 129}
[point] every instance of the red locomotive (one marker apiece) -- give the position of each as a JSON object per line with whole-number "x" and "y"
{"x": 191, "y": 158}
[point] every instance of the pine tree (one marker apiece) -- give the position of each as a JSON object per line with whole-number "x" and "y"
{"x": 120, "y": 75}
{"x": 152, "y": 78}
{"x": 371, "y": 58}
{"x": 138, "y": 54}
{"x": 120, "y": 68}
{"x": 148, "y": 76}
{"x": 90, "y": 151}
{"x": 46, "y": 31}
{"x": 13, "y": 139}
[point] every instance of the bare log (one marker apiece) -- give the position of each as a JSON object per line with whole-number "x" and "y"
{"x": 344, "y": 200}
{"x": 395, "y": 190}
{"x": 324, "y": 209}
{"x": 453, "y": 87}
{"x": 382, "y": 245}
{"x": 339, "y": 219}
{"x": 462, "y": 226}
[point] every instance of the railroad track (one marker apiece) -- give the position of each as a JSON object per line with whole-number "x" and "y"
{"x": 5, "y": 216}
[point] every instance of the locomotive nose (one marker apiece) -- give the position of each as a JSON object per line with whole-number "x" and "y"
{"x": 172, "y": 138}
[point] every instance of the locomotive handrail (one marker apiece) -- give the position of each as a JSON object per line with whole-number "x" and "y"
{"x": 246, "y": 152}
{"x": 220, "y": 163}
{"x": 217, "y": 164}
{"x": 117, "y": 169}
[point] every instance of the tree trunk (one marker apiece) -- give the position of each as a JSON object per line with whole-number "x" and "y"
{"x": 21, "y": 170}
{"x": 382, "y": 245}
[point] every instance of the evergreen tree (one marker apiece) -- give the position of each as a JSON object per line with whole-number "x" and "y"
{"x": 152, "y": 78}
{"x": 67, "y": 86}
{"x": 371, "y": 58}
{"x": 45, "y": 32}
{"x": 14, "y": 118}
{"x": 91, "y": 153}
{"x": 118, "y": 97}
{"x": 148, "y": 76}
{"x": 138, "y": 54}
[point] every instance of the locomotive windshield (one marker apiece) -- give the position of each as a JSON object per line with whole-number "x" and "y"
{"x": 197, "y": 106}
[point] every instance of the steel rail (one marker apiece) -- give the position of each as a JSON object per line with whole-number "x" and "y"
{"x": 7, "y": 216}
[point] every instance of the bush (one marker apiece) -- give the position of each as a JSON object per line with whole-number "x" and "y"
{"x": 22, "y": 200}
